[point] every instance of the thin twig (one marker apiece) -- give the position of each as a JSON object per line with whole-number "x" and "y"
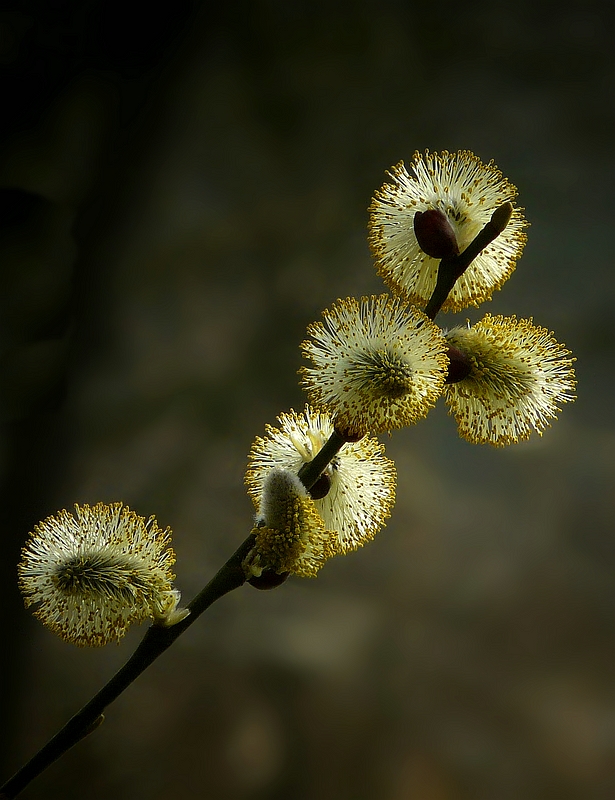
{"x": 311, "y": 471}
{"x": 450, "y": 269}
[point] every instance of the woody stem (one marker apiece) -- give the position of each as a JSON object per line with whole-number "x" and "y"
{"x": 154, "y": 643}
{"x": 157, "y": 639}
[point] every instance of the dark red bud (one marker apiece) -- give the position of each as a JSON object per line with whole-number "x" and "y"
{"x": 95, "y": 724}
{"x": 435, "y": 234}
{"x": 459, "y": 365}
{"x": 349, "y": 435}
{"x": 268, "y": 579}
{"x": 321, "y": 488}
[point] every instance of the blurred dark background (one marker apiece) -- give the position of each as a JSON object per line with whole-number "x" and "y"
{"x": 183, "y": 188}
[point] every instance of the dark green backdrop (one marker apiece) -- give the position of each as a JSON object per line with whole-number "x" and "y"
{"x": 182, "y": 191}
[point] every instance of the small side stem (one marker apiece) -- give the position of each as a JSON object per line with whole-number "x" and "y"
{"x": 451, "y": 269}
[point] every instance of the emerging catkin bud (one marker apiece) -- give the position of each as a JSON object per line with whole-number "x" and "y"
{"x": 166, "y": 611}
{"x": 290, "y": 534}
{"x": 362, "y": 480}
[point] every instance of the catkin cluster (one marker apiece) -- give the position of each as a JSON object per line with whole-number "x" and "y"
{"x": 445, "y": 233}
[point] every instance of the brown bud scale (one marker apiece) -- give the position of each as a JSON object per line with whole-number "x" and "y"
{"x": 435, "y": 234}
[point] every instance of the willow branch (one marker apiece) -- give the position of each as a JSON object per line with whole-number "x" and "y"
{"x": 157, "y": 639}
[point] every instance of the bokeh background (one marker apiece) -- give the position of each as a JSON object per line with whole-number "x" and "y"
{"x": 182, "y": 191}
